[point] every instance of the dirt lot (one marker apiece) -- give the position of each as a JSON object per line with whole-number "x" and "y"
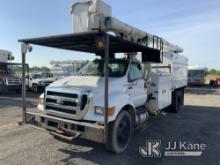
{"x": 197, "y": 123}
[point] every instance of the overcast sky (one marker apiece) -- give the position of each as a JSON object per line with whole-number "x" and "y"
{"x": 192, "y": 24}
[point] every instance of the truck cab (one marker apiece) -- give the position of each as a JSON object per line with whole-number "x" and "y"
{"x": 9, "y": 73}
{"x": 9, "y": 80}
{"x": 126, "y": 82}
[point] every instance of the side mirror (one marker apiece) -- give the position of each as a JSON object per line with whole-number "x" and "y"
{"x": 131, "y": 80}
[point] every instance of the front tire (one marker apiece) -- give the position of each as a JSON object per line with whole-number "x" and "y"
{"x": 35, "y": 88}
{"x": 119, "y": 133}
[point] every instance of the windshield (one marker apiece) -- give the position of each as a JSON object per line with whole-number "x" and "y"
{"x": 117, "y": 68}
{"x": 10, "y": 68}
{"x": 44, "y": 75}
{"x": 196, "y": 73}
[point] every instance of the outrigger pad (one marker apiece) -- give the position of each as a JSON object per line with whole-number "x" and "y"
{"x": 86, "y": 42}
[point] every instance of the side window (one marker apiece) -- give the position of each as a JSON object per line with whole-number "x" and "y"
{"x": 135, "y": 72}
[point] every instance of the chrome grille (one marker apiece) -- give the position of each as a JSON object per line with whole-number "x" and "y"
{"x": 58, "y": 102}
{"x": 69, "y": 95}
{"x": 12, "y": 81}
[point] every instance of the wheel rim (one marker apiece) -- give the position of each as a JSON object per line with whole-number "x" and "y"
{"x": 123, "y": 132}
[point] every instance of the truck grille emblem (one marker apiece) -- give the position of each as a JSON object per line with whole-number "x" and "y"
{"x": 61, "y": 102}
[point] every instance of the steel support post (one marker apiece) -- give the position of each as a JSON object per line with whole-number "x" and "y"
{"x": 24, "y": 50}
{"x": 106, "y": 87}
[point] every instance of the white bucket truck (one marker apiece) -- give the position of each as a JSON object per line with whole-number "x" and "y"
{"x": 110, "y": 97}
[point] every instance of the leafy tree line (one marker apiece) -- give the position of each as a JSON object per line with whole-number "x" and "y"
{"x": 39, "y": 69}
{"x": 34, "y": 69}
{"x": 214, "y": 72}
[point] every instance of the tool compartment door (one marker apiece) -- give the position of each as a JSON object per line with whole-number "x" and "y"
{"x": 161, "y": 90}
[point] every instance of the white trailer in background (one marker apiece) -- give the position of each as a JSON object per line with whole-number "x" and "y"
{"x": 110, "y": 97}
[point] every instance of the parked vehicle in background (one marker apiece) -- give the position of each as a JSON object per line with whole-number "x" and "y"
{"x": 215, "y": 82}
{"x": 62, "y": 69}
{"x": 38, "y": 81}
{"x": 197, "y": 75}
{"x": 9, "y": 78}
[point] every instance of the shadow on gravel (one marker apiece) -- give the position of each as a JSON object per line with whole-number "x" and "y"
{"x": 10, "y": 99}
{"x": 194, "y": 124}
{"x": 15, "y": 95}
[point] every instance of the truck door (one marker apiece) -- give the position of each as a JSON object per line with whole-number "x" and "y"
{"x": 136, "y": 88}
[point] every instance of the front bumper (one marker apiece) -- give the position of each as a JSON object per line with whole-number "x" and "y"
{"x": 86, "y": 130}
{"x": 43, "y": 86}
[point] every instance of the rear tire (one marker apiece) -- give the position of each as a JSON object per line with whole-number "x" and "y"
{"x": 119, "y": 133}
{"x": 177, "y": 101}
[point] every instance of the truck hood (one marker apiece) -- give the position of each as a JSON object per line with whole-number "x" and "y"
{"x": 44, "y": 79}
{"x": 78, "y": 81}
{"x": 86, "y": 82}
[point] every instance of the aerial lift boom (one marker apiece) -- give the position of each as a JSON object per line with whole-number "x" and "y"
{"x": 97, "y": 15}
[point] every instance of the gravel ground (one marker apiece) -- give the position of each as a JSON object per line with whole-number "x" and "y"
{"x": 197, "y": 123}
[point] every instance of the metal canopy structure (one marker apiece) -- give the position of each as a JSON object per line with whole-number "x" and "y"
{"x": 88, "y": 42}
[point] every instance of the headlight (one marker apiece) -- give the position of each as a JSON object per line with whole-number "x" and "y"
{"x": 41, "y": 101}
{"x": 100, "y": 110}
